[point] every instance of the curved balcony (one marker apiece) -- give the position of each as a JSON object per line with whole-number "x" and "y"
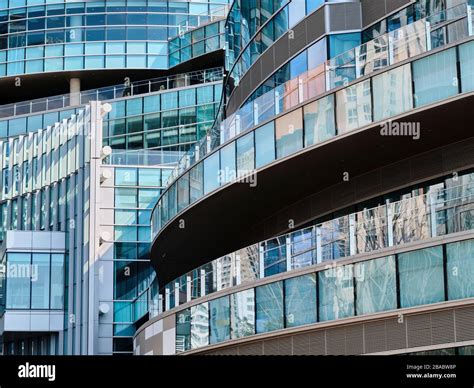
{"x": 430, "y": 277}
{"x": 361, "y": 110}
{"x": 196, "y": 43}
{"x": 440, "y": 212}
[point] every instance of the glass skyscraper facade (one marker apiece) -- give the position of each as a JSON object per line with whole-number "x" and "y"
{"x": 236, "y": 177}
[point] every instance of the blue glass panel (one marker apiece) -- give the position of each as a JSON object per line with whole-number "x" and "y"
{"x": 300, "y": 300}
{"x": 421, "y": 277}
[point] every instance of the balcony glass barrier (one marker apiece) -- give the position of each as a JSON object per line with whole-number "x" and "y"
{"x": 112, "y": 92}
{"x": 440, "y": 212}
{"x": 388, "y": 49}
{"x": 357, "y": 105}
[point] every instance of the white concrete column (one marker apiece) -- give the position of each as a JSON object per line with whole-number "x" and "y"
{"x": 74, "y": 91}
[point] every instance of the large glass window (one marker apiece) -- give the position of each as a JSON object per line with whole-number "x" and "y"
{"x": 300, "y": 300}
{"x": 40, "y": 281}
{"x": 245, "y": 155}
{"x": 340, "y": 43}
{"x": 228, "y": 170}
{"x": 319, "y": 121}
{"x": 183, "y": 192}
{"x": 354, "y": 107}
{"x": 126, "y": 176}
{"x": 460, "y": 269}
{"x": 242, "y": 309}
{"x": 421, "y": 277}
{"x": 375, "y": 285}
{"x": 211, "y": 173}
{"x": 126, "y": 198}
{"x": 336, "y": 293}
{"x": 199, "y": 325}
{"x": 289, "y": 133}
{"x": 18, "y": 280}
{"x": 219, "y": 310}
{"x": 57, "y": 281}
{"x": 392, "y": 92}
{"x": 466, "y": 58}
{"x": 183, "y": 330}
{"x": 435, "y": 77}
{"x": 269, "y": 307}
{"x": 264, "y": 145}
{"x": 196, "y": 183}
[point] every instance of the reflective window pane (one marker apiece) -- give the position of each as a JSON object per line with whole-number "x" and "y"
{"x": 421, "y": 277}
{"x": 269, "y": 307}
{"x": 435, "y": 77}
{"x": 18, "y": 280}
{"x": 289, "y": 133}
{"x": 300, "y": 300}
{"x": 242, "y": 305}
{"x": 219, "y": 312}
{"x": 319, "y": 121}
{"x": 336, "y": 293}
{"x": 392, "y": 93}
{"x": 183, "y": 330}
{"x": 460, "y": 269}
{"x": 40, "y": 281}
{"x": 264, "y": 145}
{"x": 199, "y": 325}
{"x": 245, "y": 155}
{"x": 375, "y": 285}
{"x": 211, "y": 173}
{"x": 354, "y": 107}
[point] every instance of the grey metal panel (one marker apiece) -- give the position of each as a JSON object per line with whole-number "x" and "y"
{"x": 344, "y": 17}
{"x": 254, "y": 349}
{"x": 315, "y": 25}
{"x": 392, "y": 5}
{"x": 355, "y": 339}
{"x": 297, "y": 39}
{"x": 372, "y": 10}
{"x": 317, "y": 342}
{"x": 419, "y": 330}
{"x": 281, "y": 51}
{"x": 278, "y": 347}
{"x": 442, "y": 327}
{"x": 268, "y": 62}
{"x": 336, "y": 341}
{"x": 301, "y": 345}
{"x": 464, "y": 324}
{"x": 396, "y": 334}
{"x": 256, "y": 74}
{"x": 375, "y": 337}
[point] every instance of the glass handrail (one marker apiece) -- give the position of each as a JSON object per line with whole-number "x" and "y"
{"x": 419, "y": 215}
{"x": 204, "y": 19}
{"x": 190, "y": 159}
{"x": 387, "y": 49}
{"x": 112, "y": 92}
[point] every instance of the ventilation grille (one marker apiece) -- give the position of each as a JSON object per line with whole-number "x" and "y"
{"x": 410, "y": 331}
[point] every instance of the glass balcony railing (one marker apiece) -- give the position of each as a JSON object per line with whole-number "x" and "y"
{"x": 438, "y": 213}
{"x": 112, "y": 92}
{"x": 386, "y": 50}
{"x": 143, "y": 158}
{"x": 384, "y": 95}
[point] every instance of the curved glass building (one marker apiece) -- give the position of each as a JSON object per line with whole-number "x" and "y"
{"x": 100, "y": 102}
{"x": 327, "y": 211}
{"x": 247, "y": 177}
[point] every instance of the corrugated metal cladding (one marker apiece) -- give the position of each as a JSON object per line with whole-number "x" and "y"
{"x": 416, "y": 330}
{"x": 373, "y": 10}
